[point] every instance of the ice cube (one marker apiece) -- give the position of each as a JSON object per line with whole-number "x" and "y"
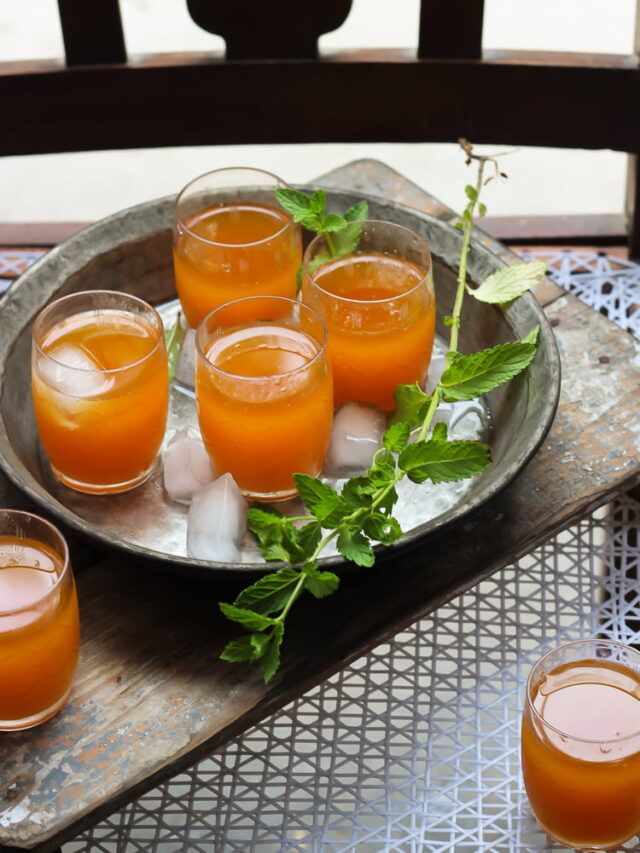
{"x": 70, "y": 370}
{"x": 187, "y": 467}
{"x": 468, "y": 421}
{"x": 357, "y": 434}
{"x": 186, "y": 364}
{"x": 436, "y": 367}
{"x": 217, "y": 522}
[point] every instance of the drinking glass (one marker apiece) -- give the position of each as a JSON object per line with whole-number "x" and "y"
{"x": 232, "y": 239}
{"x": 264, "y": 393}
{"x": 581, "y": 743}
{"x": 379, "y": 306}
{"x": 39, "y": 630}
{"x": 100, "y": 389}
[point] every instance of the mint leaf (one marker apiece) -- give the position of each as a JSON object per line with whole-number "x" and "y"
{"x": 355, "y": 547}
{"x": 320, "y": 499}
{"x": 469, "y": 376}
{"x": 319, "y": 584}
{"x": 358, "y": 492}
{"x": 270, "y": 658}
{"x": 358, "y": 212}
{"x": 510, "y": 282}
{"x": 411, "y": 404}
{"x": 333, "y": 222}
{"x": 396, "y": 437}
{"x": 245, "y": 648}
{"x": 317, "y": 202}
{"x": 444, "y": 461}
{"x": 348, "y": 238}
{"x": 274, "y": 531}
{"x": 440, "y": 432}
{"x": 309, "y": 538}
{"x": 294, "y": 202}
{"x": 382, "y": 528}
{"x": 173, "y": 338}
{"x": 532, "y": 337}
{"x": 270, "y": 593}
{"x": 247, "y": 618}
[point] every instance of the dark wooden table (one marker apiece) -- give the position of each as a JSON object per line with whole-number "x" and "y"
{"x": 151, "y": 696}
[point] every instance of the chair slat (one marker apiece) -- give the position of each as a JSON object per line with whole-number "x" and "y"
{"x": 278, "y": 29}
{"x": 451, "y": 30}
{"x": 92, "y": 32}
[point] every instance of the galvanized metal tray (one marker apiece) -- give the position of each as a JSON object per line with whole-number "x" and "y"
{"x": 131, "y": 251}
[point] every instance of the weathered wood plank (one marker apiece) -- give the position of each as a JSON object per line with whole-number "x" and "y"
{"x": 151, "y": 696}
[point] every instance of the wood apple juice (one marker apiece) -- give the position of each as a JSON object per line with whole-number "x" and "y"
{"x": 380, "y": 314}
{"x": 265, "y": 401}
{"x": 39, "y": 631}
{"x": 581, "y": 752}
{"x": 100, "y": 392}
{"x": 232, "y": 250}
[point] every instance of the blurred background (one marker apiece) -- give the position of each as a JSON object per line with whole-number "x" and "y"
{"x": 87, "y": 186}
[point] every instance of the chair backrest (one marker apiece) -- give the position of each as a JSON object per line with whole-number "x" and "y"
{"x": 271, "y": 87}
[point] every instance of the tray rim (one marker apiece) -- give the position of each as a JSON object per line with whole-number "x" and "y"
{"x": 21, "y": 476}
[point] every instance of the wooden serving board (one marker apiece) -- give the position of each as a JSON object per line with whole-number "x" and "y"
{"x": 151, "y": 697}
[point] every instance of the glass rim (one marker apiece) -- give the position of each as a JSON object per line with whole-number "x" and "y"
{"x": 278, "y": 182}
{"x": 64, "y": 548}
{"x": 292, "y": 302}
{"x": 576, "y": 643}
{"x": 109, "y": 371}
{"x": 385, "y": 299}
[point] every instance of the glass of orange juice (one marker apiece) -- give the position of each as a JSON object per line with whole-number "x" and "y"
{"x": 100, "y": 389}
{"x": 581, "y": 743}
{"x": 264, "y": 393}
{"x": 39, "y": 628}
{"x": 231, "y": 240}
{"x": 379, "y": 306}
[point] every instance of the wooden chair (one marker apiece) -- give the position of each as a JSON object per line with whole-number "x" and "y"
{"x": 272, "y": 87}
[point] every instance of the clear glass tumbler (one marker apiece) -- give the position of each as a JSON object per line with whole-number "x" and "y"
{"x": 39, "y": 628}
{"x": 100, "y": 389}
{"x": 264, "y": 393}
{"x": 231, "y": 240}
{"x": 378, "y": 302}
{"x": 581, "y": 743}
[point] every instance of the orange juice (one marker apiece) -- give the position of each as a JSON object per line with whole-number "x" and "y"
{"x": 229, "y": 251}
{"x": 39, "y": 631}
{"x": 265, "y": 405}
{"x": 100, "y": 392}
{"x": 380, "y": 314}
{"x": 581, "y": 752}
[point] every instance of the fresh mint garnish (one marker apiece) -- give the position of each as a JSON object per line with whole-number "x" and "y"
{"x": 360, "y": 516}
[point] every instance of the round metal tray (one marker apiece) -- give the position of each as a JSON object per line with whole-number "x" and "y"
{"x": 131, "y": 251}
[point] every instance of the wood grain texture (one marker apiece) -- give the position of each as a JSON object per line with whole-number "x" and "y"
{"x": 151, "y": 697}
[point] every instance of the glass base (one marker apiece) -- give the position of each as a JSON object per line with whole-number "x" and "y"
{"x": 269, "y": 497}
{"x": 103, "y": 488}
{"x": 35, "y": 719}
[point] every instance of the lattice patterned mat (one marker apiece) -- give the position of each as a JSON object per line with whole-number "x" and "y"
{"x": 415, "y": 747}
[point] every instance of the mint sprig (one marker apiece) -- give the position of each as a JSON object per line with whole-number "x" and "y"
{"x": 359, "y": 518}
